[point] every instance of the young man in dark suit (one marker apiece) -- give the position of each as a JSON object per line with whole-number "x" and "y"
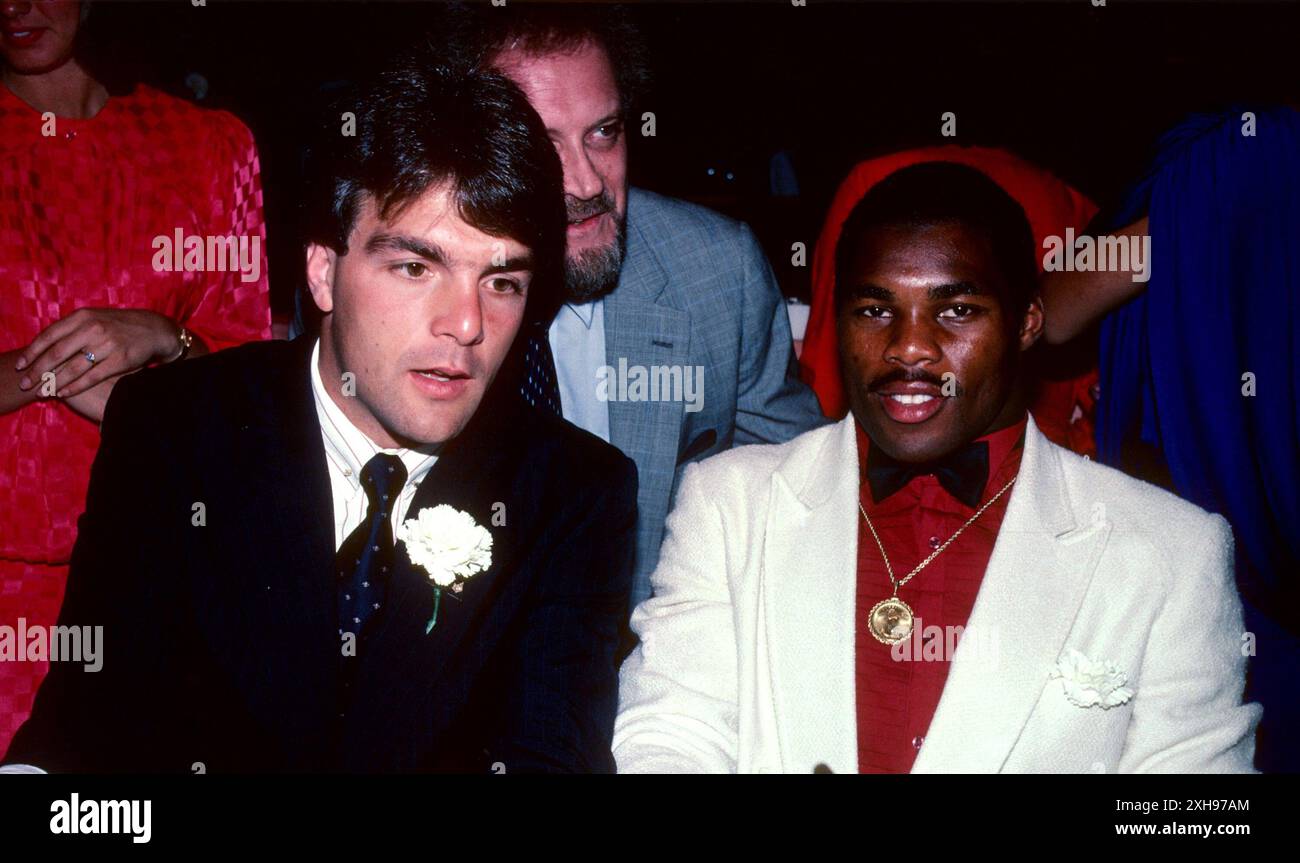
{"x": 245, "y": 544}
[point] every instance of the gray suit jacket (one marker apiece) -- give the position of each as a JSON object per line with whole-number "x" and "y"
{"x": 696, "y": 291}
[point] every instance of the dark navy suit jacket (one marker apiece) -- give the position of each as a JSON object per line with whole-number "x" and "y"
{"x": 220, "y": 641}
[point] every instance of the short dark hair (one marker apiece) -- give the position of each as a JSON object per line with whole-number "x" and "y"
{"x": 544, "y": 29}
{"x": 421, "y": 123}
{"x": 936, "y": 193}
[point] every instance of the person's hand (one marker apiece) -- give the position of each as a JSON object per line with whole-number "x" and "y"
{"x": 121, "y": 340}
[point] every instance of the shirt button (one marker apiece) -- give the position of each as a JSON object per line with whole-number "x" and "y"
{"x": 69, "y": 135}
{"x": 347, "y": 471}
{"x": 917, "y": 741}
{"x": 934, "y": 542}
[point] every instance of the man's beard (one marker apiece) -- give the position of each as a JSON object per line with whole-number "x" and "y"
{"x": 595, "y": 272}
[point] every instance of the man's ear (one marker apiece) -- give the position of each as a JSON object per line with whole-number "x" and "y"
{"x": 322, "y": 266}
{"x": 1031, "y": 325}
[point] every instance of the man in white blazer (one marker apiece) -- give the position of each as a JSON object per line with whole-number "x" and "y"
{"x": 1093, "y": 622}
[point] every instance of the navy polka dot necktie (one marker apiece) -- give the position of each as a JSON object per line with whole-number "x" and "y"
{"x": 365, "y": 559}
{"x": 540, "y": 387}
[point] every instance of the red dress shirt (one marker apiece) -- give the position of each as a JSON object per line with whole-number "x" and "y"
{"x": 897, "y": 697}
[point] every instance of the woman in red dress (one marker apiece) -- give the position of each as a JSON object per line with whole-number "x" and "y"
{"x": 88, "y": 183}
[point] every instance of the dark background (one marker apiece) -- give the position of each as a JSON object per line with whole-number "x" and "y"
{"x": 1081, "y": 90}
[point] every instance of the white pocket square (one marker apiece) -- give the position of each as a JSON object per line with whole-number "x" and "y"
{"x": 1091, "y": 683}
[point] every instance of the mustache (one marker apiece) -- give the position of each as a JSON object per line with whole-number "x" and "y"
{"x": 585, "y": 208}
{"x": 904, "y": 376}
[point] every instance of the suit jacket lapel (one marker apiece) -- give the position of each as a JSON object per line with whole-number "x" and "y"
{"x": 642, "y": 329}
{"x": 1035, "y": 582}
{"x": 287, "y": 594}
{"x": 473, "y": 474}
{"x": 808, "y": 590}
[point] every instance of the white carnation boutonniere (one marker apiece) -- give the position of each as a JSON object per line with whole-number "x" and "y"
{"x": 449, "y": 545}
{"x": 1092, "y": 683}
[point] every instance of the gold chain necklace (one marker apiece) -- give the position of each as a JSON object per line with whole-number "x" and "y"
{"x": 890, "y": 620}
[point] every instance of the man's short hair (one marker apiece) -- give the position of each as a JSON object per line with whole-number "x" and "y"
{"x": 421, "y": 123}
{"x": 546, "y": 29}
{"x": 937, "y": 193}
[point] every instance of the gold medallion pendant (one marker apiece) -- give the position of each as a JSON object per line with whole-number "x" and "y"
{"x": 890, "y": 620}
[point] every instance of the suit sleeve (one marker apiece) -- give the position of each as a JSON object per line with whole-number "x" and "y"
{"x": 772, "y": 404}
{"x": 678, "y": 697}
{"x": 562, "y": 702}
{"x": 1188, "y": 715}
{"x": 107, "y": 718}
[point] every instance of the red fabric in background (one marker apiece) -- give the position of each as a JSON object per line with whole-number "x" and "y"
{"x": 79, "y": 211}
{"x": 897, "y": 698}
{"x": 1062, "y": 409}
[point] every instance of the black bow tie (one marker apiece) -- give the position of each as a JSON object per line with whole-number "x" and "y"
{"x": 963, "y": 474}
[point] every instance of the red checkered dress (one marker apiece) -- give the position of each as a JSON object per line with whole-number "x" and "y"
{"x": 79, "y": 210}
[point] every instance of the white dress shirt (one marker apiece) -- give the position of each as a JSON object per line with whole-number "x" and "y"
{"x": 577, "y": 337}
{"x": 347, "y": 449}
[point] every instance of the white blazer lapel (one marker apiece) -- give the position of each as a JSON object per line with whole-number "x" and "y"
{"x": 807, "y": 588}
{"x": 1042, "y": 563}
